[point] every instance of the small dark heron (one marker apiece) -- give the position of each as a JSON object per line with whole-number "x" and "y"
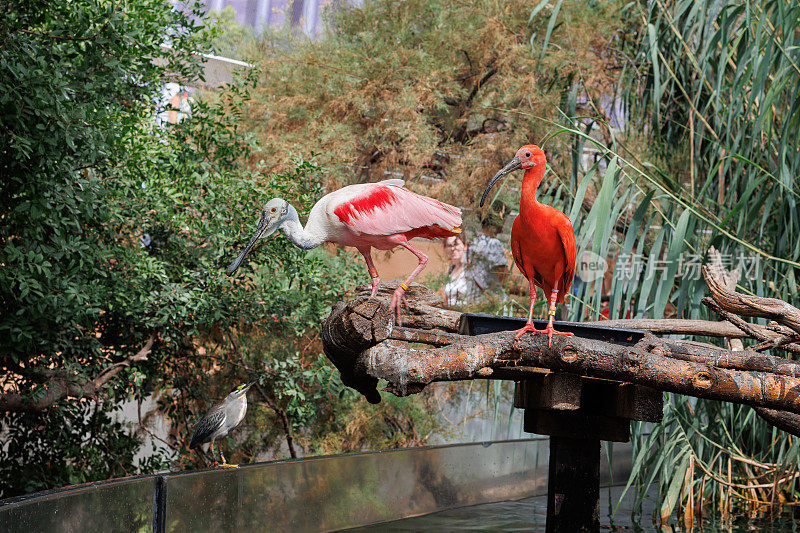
{"x": 221, "y": 419}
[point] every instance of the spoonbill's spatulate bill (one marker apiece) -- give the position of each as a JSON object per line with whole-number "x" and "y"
{"x": 380, "y": 215}
{"x": 542, "y": 238}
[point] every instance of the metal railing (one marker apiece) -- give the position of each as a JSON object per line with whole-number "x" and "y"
{"x": 312, "y": 494}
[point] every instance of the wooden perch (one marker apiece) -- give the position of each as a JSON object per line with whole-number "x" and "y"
{"x": 364, "y": 348}
{"x": 422, "y": 312}
{"x": 364, "y": 343}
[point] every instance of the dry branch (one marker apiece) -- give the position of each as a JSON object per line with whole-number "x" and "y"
{"x": 768, "y": 340}
{"x": 60, "y": 385}
{"x": 668, "y": 326}
{"x": 745, "y": 304}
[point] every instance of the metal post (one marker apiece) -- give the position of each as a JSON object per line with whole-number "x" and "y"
{"x": 573, "y": 485}
{"x": 160, "y": 505}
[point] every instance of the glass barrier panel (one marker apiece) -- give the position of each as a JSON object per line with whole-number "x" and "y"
{"x": 337, "y": 492}
{"x": 124, "y": 505}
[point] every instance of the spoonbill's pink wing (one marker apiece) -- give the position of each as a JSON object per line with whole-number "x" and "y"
{"x": 386, "y": 209}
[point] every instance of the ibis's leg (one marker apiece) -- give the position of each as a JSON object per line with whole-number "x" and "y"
{"x": 552, "y": 312}
{"x": 373, "y": 272}
{"x": 529, "y": 326}
{"x": 397, "y": 297}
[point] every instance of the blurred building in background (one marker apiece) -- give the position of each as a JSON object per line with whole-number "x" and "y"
{"x": 305, "y": 15}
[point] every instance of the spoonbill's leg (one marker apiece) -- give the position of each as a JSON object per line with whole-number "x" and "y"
{"x": 373, "y": 272}
{"x": 529, "y": 326}
{"x": 397, "y": 297}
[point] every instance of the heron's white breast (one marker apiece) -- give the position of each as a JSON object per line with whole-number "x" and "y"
{"x": 235, "y": 413}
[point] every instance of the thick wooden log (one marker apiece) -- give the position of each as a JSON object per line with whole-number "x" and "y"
{"x": 357, "y": 337}
{"x": 684, "y": 350}
{"x": 349, "y": 330}
{"x": 354, "y": 337}
{"x": 649, "y": 363}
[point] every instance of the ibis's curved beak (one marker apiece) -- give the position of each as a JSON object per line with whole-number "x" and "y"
{"x": 515, "y": 164}
{"x": 266, "y": 227}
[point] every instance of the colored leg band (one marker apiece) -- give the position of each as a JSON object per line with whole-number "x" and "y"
{"x": 404, "y": 286}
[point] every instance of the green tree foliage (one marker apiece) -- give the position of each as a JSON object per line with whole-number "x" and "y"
{"x": 86, "y": 174}
{"x": 114, "y": 237}
{"x": 422, "y": 88}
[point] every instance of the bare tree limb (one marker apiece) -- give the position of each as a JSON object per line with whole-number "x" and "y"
{"x": 61, "y": 386}
{"x": 667, "y": 326}
{"x": 789, "y": 422}
{"x": 769, "y": 340}
{"x": 649, "y": 363}
{"x": 745, "y": 304}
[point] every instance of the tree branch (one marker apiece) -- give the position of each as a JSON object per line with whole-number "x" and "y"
{"x": 769, "y": 340}
{"x": 745, "y": 304}
{"x": 60, "y": 386}
{"x": 705, "y": 328}
{"x": 789, "y": 422}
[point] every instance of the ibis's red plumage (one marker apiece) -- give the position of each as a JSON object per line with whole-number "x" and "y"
{"x": 542, "y": 238}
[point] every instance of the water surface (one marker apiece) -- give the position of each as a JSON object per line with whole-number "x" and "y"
{"x": 530, "y": 515}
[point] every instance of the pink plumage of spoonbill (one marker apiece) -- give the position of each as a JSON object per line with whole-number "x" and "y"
{"x": 380, "y": 215}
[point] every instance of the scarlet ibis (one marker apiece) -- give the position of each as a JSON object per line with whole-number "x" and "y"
{"x": 542, "y": 238}
{"x": 380, "y": 215}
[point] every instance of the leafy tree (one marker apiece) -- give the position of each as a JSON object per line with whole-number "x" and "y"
{"x": 114, "y": 237}
{"x": 89, "y": 310}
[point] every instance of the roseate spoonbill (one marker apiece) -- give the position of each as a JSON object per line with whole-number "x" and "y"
{"x": 380, "y": 215}
{"x": 542, "y": 238}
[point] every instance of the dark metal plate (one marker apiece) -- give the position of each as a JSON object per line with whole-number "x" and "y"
{"x": 481, "y": 323}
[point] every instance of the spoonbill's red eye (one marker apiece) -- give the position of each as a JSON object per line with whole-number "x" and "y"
{"x": 274, "y": 209}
